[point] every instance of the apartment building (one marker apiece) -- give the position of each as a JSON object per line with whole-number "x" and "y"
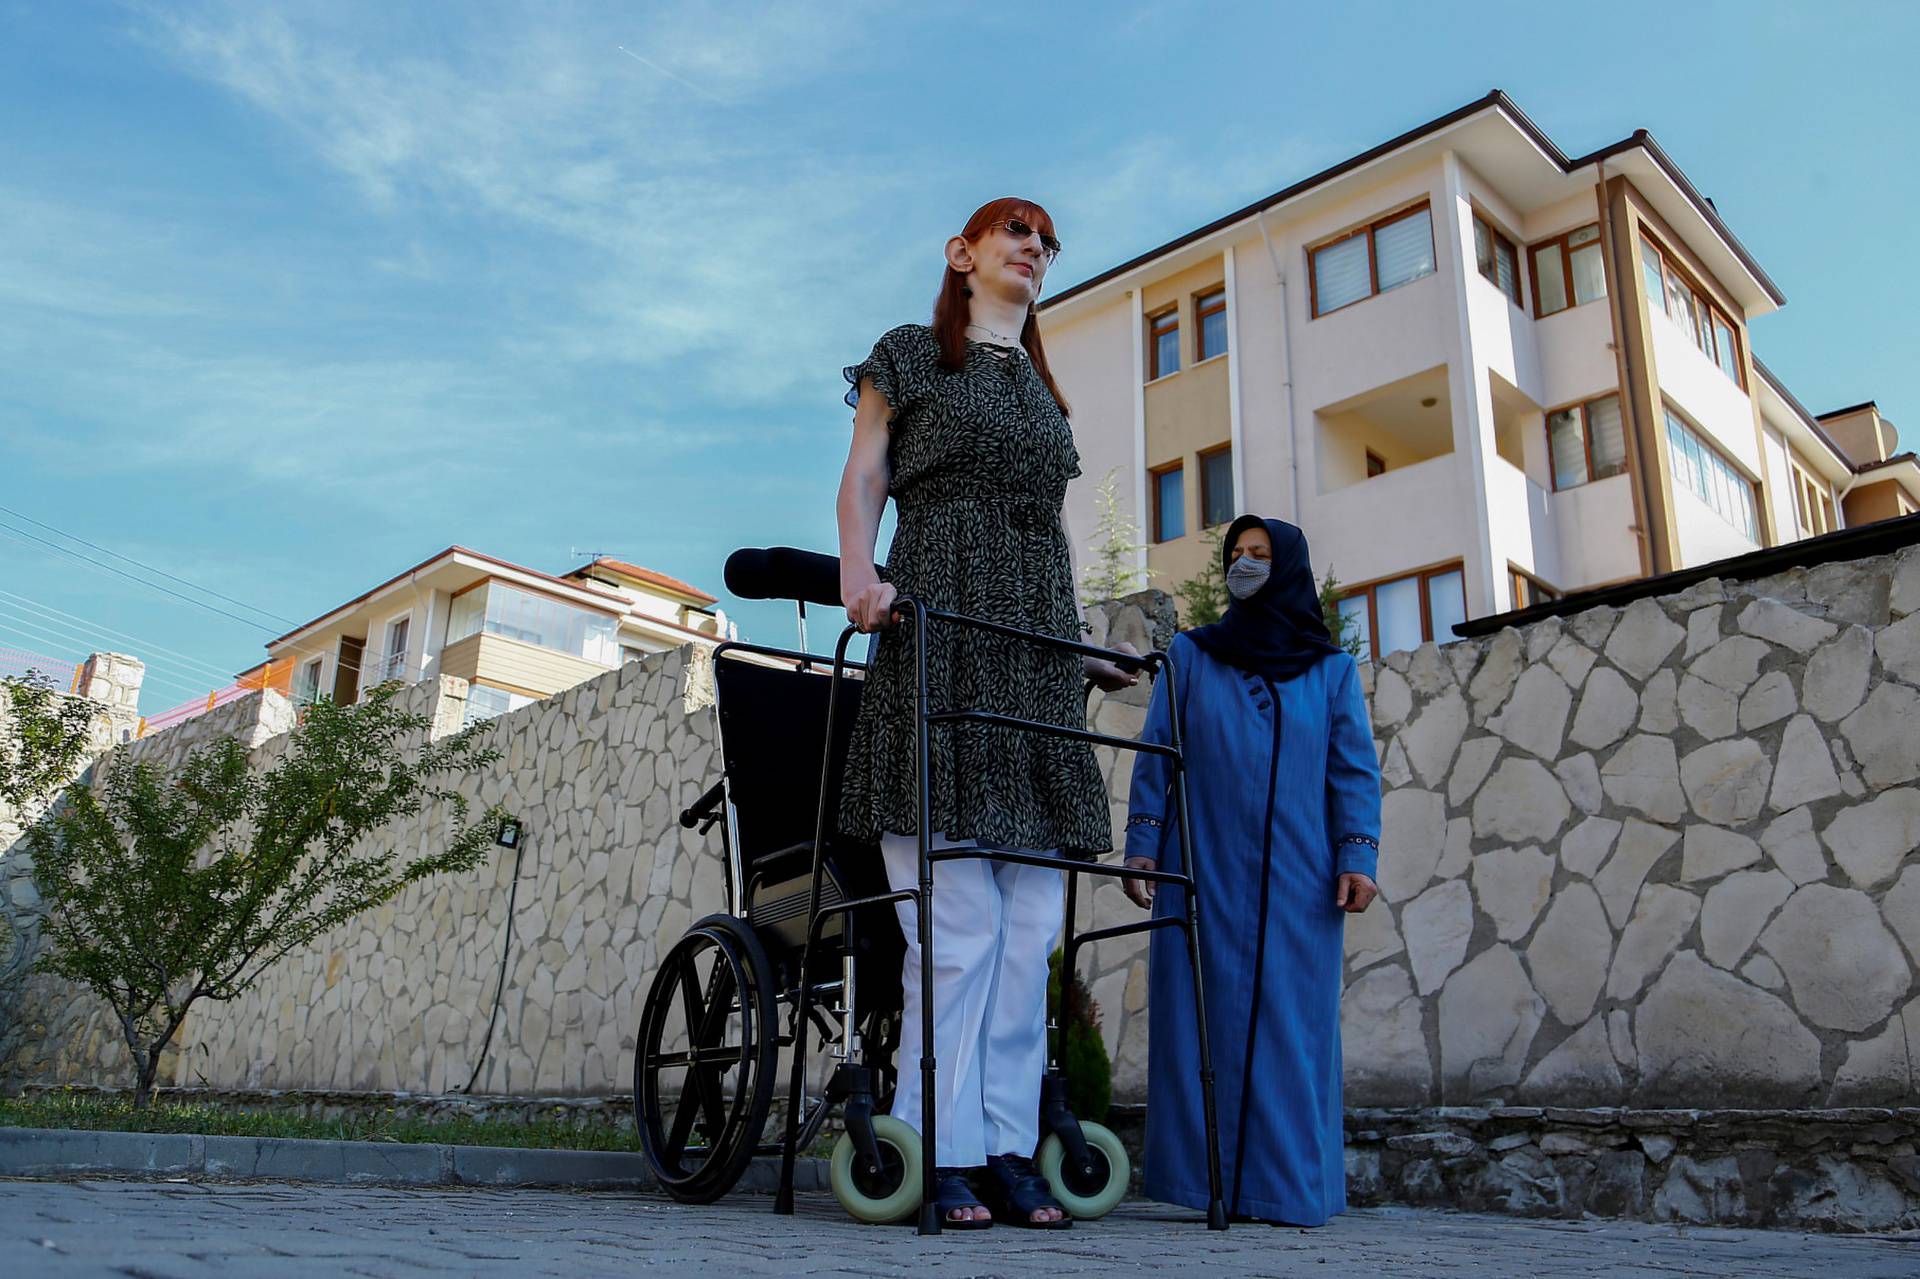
{"x": 1477, "y": 372}
{"x": 515, "y": 634}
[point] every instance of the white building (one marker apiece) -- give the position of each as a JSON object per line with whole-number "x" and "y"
{"x": 1478, "y": 373}
{"x": 514, "y": 633}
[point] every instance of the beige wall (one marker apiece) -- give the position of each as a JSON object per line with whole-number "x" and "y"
{"x": 1862, "y": 435}
{"x": 1870, "y": 502}
{"x": 511, "y": 664}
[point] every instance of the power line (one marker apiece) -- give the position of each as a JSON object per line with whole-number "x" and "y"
{"x": 64, "y": 634}
{"x": 43, "y": 637}
{"x": 152, "y": 586}
{"x": 142, "y": 646}
{"x": 72, "y": 537}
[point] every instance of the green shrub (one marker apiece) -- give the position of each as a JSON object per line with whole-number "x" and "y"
{"x": 1084, "y": 1054}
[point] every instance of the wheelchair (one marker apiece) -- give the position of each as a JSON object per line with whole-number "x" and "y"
{"x": 809, "y": 944}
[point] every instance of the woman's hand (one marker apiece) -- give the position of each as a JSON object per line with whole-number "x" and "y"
{"x": 1354, "y": 893}
{"x": 1140, "y": 891}
{"x": 1107, "y": 676}
{"x": 869, "y": 604}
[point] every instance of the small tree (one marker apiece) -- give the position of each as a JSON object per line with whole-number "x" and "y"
{"x": 1115, "y": 570}
{"x": 44, "y": 739}
{"x": 1206, "y": 592}
{"x": 1083, "y": 1053}
{"x": 1345, "y": 630}
{"x": 162, "y": 893}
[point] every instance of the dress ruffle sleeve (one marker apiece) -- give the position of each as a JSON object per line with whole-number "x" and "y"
{"x": 888, "y": 368}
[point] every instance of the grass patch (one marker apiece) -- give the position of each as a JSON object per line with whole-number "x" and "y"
{"x": 55, "y": 1110}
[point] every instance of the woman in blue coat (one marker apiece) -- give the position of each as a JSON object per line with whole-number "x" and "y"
{"x": 1285, "y": 794}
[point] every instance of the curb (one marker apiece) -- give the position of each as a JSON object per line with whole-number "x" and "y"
{"x": 57, "y": 1153}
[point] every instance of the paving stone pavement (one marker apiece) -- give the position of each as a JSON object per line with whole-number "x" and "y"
{"x": 158, "y": 1230}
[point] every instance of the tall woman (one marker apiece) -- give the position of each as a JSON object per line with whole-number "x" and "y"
{"x": 1285, "y": 794}
{"x": 961, "y": 424}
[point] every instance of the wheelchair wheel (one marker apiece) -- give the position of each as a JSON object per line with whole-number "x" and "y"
{"x": 1087, "y": 1196}
{"x": 704, "y": 1061}
{"x": 892, "y": 1193}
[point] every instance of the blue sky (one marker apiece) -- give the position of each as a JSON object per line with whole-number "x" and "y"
{"x": 295, "y": 294}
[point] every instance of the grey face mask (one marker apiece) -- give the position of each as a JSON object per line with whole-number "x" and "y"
{"x": 1247, "y": 576}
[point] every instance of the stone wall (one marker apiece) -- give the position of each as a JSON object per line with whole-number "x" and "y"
{"x": 1653, "y": 856}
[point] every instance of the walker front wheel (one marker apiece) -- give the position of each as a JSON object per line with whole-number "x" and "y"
{"x": 889, "y": 1193}
{"x": 1087, "y": 1193}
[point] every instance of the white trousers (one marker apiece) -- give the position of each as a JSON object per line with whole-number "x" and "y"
{"x": 994, "y": 925}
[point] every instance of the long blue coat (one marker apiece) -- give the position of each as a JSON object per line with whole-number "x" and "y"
{"x": 1284, "y": 791}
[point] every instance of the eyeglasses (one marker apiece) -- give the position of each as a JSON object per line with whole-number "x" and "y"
{"x": 1020, "y": 230}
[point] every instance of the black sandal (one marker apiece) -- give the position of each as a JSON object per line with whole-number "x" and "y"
{"x": 952, "y": 1191}
{"x": 1022, "y": 1192}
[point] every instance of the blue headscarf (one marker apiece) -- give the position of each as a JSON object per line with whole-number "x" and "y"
{"x": 1279, "y": 630}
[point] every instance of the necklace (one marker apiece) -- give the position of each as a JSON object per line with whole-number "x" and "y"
{"x": 990, "y": 333}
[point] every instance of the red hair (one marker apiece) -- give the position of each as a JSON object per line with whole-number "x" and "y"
{"x": 950, "y": 307}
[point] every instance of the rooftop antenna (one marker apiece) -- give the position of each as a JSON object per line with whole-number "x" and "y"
{"x": 575, "y": 553}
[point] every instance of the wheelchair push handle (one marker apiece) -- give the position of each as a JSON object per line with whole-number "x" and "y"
{"x": 706, "y": 809}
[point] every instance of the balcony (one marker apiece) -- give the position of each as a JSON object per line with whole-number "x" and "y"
{"x": 1387, "y": 429}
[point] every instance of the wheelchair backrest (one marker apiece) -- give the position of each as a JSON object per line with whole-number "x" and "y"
{"x": 773, "y": 723}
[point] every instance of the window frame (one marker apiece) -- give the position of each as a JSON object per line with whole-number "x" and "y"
{"x": 1154, "y": 475}
{"x": 1206, "y": 492}
{"x": 1728, "y": 470}
{"x": 306, "y": 693}
{"x": 1424, "y": 576}
{"x": 1154, "y": 333}
{"x": 1704, "y": 307}
{"x": 1500, "y": 238}
{"x": 1373, "y": 257}
{"x": 1563, "y": 242}
{"x": 1207, "y": 303}
{"x": 1586, "y": 439}
{"x": 403, "y": 621}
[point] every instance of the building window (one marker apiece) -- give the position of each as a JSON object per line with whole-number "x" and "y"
{"x": 1529, "y": 591}
{"x": 1586, "y": 442}
{"x": 1499, "y": 261}
{"x": 1405, "y": 612}
{"x": 1706, "y": 325}
{"x": 1376, "y": 465}
{"x": 1163, "y": 344}
{"x": 500, "y": 609}
{"x": 306, "y": 689}
{"x": 1568, "y": 270}
{"x": 1705, "y": 472}
{"x": 484, "y": 702}
{"x": 1216, "y": 486}
{"x": 1810, "y": 502}
{"x": 1385, "y": 255}
{"x": 1210, "y": 315}
{"x": 1169, "y": 503}
{"x": 394, "y": 666}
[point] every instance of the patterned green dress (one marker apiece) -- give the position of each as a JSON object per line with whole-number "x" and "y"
{"x": 980, "y": 462}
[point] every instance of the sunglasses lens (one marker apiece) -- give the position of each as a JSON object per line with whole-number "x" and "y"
{"x": 1020, "y": 230}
